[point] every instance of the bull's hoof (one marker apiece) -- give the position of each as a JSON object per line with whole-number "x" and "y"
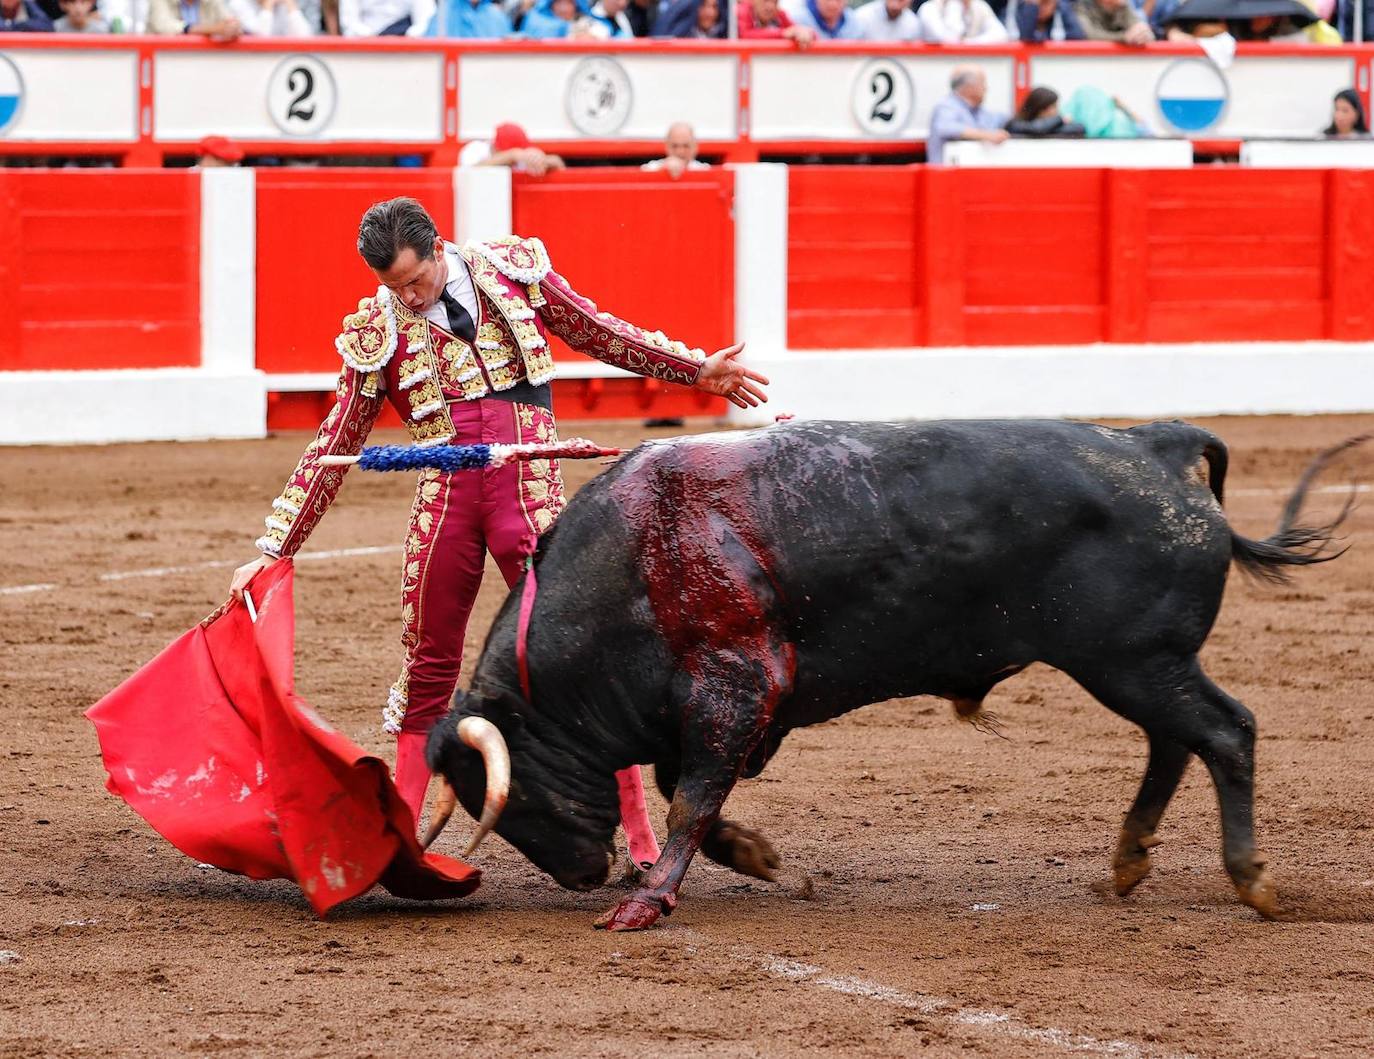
{"x": 1127, "y": 873}
{"x": 635, "y": 913}
{"x": 1259, "y": 893}
{"x": 1132, "y": 861}
{"x": 744, "y": 851}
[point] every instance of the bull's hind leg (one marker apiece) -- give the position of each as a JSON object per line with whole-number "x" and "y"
{"x": 728, "y": 843}
{"x": 1165, "y": 768}
{"x": 1174, "y": 700}
{"x": 725, "y": 713}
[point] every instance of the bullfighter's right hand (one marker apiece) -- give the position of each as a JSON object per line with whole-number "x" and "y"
{"x": 245, "y": 573}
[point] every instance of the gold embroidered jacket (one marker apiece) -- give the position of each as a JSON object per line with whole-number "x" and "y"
{"x": 393, "y": 354}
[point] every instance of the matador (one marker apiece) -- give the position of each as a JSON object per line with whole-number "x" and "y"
{"x": 456, "y": 339}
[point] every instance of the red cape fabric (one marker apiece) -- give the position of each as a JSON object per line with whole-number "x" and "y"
{"x": 211, "y": 745}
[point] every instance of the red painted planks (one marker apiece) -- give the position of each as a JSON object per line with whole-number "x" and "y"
{"x": 657, "y": 252}
{"x": 104, "y": 269}
{"x": 309, "y": 274}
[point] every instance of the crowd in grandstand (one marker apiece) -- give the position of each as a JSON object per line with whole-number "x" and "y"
{"x": 804, "y": 22}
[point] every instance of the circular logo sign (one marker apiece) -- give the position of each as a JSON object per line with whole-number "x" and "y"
{"x": 1192, "y": 95}
{"x": 11, "y": 94}
{"x": 883, "y": 98}
{"x": 599, "y": 96}
{"x": 301, "y": 95}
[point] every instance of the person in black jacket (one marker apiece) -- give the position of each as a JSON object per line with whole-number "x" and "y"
{"x": 1039, "y": 116}
{"x": 1042, "y": 20}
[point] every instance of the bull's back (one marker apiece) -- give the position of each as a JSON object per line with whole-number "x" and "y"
{"x": 909, "y": 558}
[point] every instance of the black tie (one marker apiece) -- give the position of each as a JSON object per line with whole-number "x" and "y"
{"x": 459, "y": 319}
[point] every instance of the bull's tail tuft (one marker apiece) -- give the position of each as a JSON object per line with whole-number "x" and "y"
{"x": 1291, "y": 544}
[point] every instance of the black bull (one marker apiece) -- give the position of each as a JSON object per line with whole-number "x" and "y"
{"x": 709, "y": 594}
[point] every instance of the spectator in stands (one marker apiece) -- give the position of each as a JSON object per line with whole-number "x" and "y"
{"x": 206, "y": 18}
{"x": 1041, "y": 20}
{"x": 1038, "y": 116}
{"x": 888, "y": 20}
{"x": 510, "y": 146}
{"x": 271, "y": 18}
{"x": 961, "y": 114}
{"x": 1103, "y": 116}
{"x": 1347, "y": 117}
{"x": 1345, "y": 19}
{"x": 80, "y": 16}
{"x": 642, "y": 14}
{"x": 551, "y": 19}
{"x": 23, "y": 16}
{"x": 828, "y": 19}
{"x": 681, "y": 156}
{"x": 217, "y": 151}
{"x": 1114, "y": 20}
{"x": 961, "y": 22}
{"x": 693, "y": 18}
{"x": 383, "y": 18}
{"x": 469, "y": 20}
{"x": 611, "y": 15}
{"x": 765, "y": 19}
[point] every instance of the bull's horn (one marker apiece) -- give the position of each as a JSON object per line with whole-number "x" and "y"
{"x": 484, "y": 737}
{"x": 443, "y": 809}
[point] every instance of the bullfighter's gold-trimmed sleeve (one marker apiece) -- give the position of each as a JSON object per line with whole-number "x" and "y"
{"x": 607, "y": 338}
{"x": 312, "y": 488}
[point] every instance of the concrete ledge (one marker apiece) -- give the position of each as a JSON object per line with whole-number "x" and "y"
{"x": 1097, "y": 382}
{"x": 173, "y": 404}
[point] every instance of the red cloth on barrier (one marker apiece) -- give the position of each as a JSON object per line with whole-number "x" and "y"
{"x": 210, "y": 744}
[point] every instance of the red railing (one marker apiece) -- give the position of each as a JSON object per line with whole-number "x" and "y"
{"x": 147, "y": 150}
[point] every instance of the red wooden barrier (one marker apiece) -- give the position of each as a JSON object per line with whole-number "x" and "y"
{"x": 309, "y": 274}
{"x": 99, "y": 272}
{"x": 652, "y": 250}
{"x": 931, "y": 256}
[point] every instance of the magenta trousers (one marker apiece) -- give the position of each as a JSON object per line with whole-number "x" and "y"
{"x": 456, "y": 519}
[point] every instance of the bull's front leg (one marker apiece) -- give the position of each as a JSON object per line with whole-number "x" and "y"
{"x": 725, "y": 715}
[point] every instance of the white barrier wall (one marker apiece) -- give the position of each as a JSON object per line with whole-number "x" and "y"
{"x": 567, "y": 95}
{"x": 1071, "y": 154}
{"x": 856, "y": 96}
{"x": 421, "y": 92}
{"x": 69, "y": 94}
{"x": 1087, "y": 382}
{"x": 1188, "y": 95}
{"x": 1320, "y": 154}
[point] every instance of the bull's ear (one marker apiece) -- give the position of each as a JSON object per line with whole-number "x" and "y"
{"x": 500, "y": 705}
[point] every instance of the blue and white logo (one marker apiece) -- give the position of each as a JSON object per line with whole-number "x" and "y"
{"x": 11, "y": 94}
{"x": 1192, "y": 95}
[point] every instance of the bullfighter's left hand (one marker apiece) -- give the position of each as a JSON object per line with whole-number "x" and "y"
{"x": 726, "y": 377}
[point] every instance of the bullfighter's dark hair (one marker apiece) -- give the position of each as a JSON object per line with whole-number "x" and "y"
{"x": 389, "y": 227}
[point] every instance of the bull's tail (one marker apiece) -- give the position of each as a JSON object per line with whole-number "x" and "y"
{"x": 1291, "y": 544}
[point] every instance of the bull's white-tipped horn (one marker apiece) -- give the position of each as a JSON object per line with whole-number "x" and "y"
{"x": 484, "y": 737}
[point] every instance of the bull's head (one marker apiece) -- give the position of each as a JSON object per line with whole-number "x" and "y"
{"x": 526, "y": 785}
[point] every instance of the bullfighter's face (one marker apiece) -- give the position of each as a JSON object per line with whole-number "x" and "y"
{"x": 560, "y": 814}
{"x": 417, "y": 280}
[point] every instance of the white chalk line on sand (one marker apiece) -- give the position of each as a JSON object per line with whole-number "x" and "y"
{"x": 935, "y": 1008}
{"x": 214, "y": 564}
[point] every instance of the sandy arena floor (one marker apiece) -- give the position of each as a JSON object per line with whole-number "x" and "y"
{"x": 947, "y": 892}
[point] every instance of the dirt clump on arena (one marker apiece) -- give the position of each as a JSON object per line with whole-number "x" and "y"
{"x": 946, "y": 892}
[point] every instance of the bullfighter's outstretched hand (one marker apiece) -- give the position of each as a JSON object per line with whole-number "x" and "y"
{"x": 724, "y": 376}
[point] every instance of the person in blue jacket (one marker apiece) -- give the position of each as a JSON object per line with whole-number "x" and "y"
{"x": 552, "y": 18}
{"x": 469, "y": 20}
